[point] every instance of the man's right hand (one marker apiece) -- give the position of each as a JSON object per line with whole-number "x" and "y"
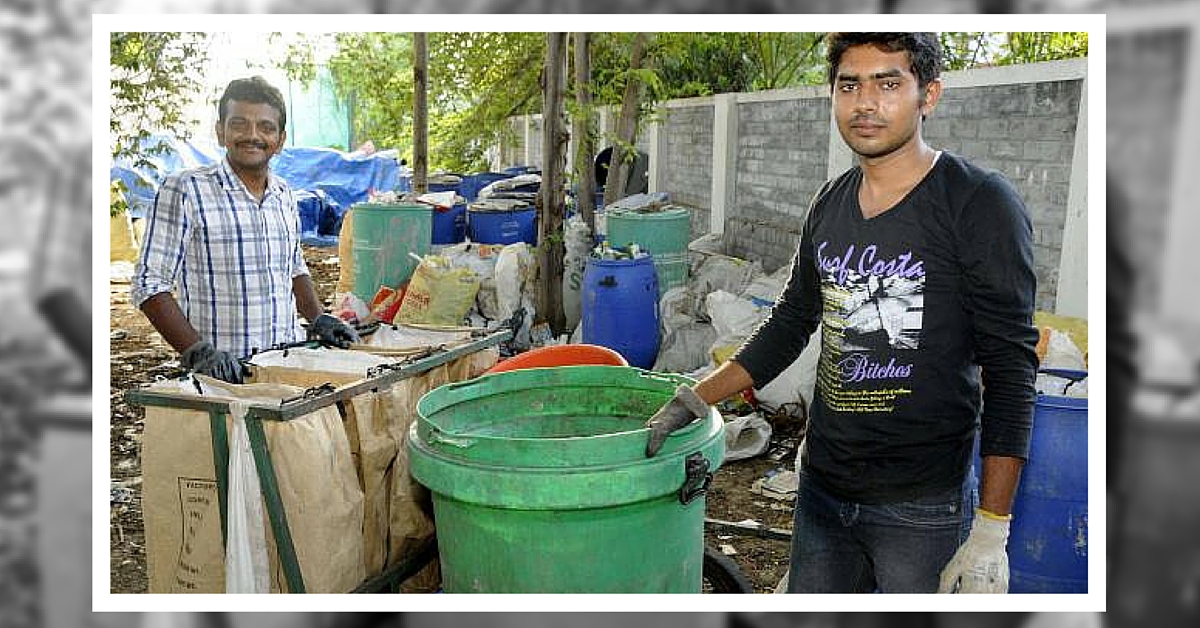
{"x": 686, "y": 406}
{"x": 205, "y": 359}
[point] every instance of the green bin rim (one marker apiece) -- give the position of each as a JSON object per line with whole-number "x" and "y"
{"x": 448, "y": 395}
{"x": 392, "y": 206}
{"x": 673, "y": 213}
{"x": 553, "y": 473}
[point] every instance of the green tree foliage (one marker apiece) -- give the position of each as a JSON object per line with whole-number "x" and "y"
{"x": 152, "y": 77}
{"x": 969, "y": 50}
{"x": 1033, "y": 47}
{"x": 478, "y": 81}
{"x": 782, "y": 60}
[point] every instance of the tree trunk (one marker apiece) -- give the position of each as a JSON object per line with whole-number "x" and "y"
{"x": 583, "y": 129}
{"x": 554, "y": 161}
{"x": 618, "y": 167}
{"x": 420, "y": 166}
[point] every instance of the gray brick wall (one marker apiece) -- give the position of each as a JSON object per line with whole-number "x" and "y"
{"x": 535, "y": 146}
{"x": 1145, "y": 83}
{"x": 688, "y": 161}
{"x": 1027, "y": 132}
{"x": 782, "y": 151}
{"x": 513, "y": 147}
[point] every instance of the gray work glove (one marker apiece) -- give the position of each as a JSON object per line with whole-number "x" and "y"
{"x": 331, "y": 331}
{"x": 686, "y": 406}
{"x": 981, "y": 563}
{"x": 205, "y": 359}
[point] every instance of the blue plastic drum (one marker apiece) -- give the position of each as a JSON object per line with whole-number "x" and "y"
{"x": 450, "y": 225}
{"x": 1048, "y": 542}
{"x": 620, "y": 308}
{"x": 503, "y": 226}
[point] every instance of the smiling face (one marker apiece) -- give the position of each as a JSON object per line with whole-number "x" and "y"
{"x": 251, "y": 134}
{"x": 878, "y": 101}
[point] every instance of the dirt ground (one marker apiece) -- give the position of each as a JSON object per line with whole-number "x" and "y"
{"x": 139, "y": 355}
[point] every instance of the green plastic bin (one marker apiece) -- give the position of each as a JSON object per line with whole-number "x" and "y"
{"x": 665, "y": 233}
{"x": 384, "y": 237}
{"x": 541, "y": 485}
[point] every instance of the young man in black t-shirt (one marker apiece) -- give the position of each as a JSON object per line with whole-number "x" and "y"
{"x": 920, "y": 267}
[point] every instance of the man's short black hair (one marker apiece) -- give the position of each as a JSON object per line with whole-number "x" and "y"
{"x": 255, "y": 90}
{"x": 924, "y": 51}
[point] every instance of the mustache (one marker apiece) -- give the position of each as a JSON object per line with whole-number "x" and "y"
{"x": 867, "y": 119}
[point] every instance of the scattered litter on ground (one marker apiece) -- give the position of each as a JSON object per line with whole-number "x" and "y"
{"x": 779, "y": 484}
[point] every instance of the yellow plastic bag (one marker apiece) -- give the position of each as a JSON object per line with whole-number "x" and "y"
{"x": 438, "y": 293}
{"x": 1076, "y": 328}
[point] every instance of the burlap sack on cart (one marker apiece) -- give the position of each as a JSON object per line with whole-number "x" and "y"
{"x": 321, "y": 496}
{"x": 412, "y": 504}
{"x": 411, "y": 521}
{"x": 372, "y": 446}
{"x": 398, "y": 513}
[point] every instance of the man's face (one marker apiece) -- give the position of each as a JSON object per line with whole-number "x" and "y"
{"x": 251, "y": 134}
{"x": 877, "y": 101}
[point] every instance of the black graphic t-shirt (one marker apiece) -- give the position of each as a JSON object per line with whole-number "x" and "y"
{"x": 915, "y": 304}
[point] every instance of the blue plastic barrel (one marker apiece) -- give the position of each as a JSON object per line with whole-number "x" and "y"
{"x": 404, "y": 181}
{"x": 309, "y": 206}
{"x": 443, "y": 187}
{"x": 474, "y": 183}
{"x": 450, "y": 225}
{"x": 1048, "y": 542}
{"x": 503, "y": 226}
{"x": 517, "y": 170}
{"x": 620, "y": 308}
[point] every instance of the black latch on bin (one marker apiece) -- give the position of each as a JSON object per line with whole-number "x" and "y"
{"x": 696, "y": 479}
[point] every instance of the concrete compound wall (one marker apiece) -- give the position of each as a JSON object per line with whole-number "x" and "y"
{"x": 748, "y": 164}
{"x": 1027, "y": 132}
{"x": 782, "y": 152}
{"x": 687, "y": 161}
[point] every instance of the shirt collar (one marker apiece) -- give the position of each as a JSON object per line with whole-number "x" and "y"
{"x": 230, "y": 180}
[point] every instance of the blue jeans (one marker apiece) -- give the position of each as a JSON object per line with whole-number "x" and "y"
{"x": 846, "y": 547}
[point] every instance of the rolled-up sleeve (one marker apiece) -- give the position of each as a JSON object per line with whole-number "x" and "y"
{"x": 1000, "y": 289}
{"x": 161, "y": 258}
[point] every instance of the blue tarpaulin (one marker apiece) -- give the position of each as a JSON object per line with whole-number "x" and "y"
{"x": 346, "y": 178}
{"x": 320, "y": 218}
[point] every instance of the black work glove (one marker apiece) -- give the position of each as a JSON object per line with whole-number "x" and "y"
{"x": 331, "y": 331}
{"x": 205, "y": 359}
{"x": 686, "y": 406}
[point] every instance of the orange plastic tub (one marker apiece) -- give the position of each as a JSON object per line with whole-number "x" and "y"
{"x": 561, "y": 355}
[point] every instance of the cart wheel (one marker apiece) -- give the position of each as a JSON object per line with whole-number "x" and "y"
{"x": 722, "y": 575}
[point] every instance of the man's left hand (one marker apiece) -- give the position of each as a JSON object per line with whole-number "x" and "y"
{"x": 332, "y": 332}
{"x": 981, "y": 563}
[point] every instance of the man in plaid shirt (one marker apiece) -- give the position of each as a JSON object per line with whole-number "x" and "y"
{"x": 226, "y": 237}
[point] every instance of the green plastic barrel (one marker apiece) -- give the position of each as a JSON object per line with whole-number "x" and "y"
{"x": 541, "y": 484}
{"x": 665, "y": 233}
{"x": 384, "y": 235}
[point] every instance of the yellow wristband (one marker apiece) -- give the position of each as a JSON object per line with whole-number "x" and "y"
{"x": 993, "y": 516}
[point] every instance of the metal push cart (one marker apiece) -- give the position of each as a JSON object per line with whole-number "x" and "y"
{"x": 312, "y": 400}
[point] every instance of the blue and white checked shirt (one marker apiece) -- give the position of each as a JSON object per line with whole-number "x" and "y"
{"x": 229, "y": 258}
